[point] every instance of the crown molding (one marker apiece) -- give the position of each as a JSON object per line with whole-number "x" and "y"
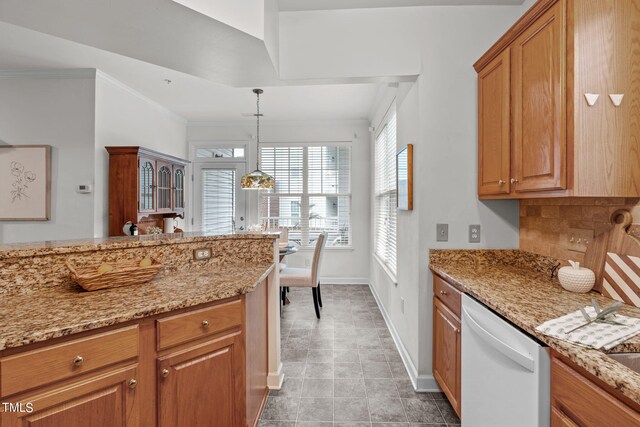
{"x": 48, "y": 73}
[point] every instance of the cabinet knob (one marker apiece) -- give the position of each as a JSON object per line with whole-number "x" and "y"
{"x": 164, "y": 373}
{"x": 502, "y": 182}
{"x": 514, "y": 181}
{"x": 78, "y": 361}
{"x": 133, "y": 383}
{"x": 205, "y": 323}
{"x": 443, "y": 292}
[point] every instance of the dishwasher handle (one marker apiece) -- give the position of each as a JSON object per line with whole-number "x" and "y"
{"x": 523, "y": 360}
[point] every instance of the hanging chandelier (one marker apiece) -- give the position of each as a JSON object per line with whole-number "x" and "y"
{"x": 257, "y": 180}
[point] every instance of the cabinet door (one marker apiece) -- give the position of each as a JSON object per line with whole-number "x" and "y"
{"x": 163, "y": 187}
{"x": 178, "y": 188}
{"x": 203, "y": 385}
{"x": 446, "y": 352}
{"x": 539, "y": 107}
{"x": 494, "y": 127}
{"x": 146, "y": 185}
{"x": 101, "y": 400}
{"x": 560, "y": 419}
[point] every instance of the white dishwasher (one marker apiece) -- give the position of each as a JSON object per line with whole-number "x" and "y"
{"x": 505, "y": 372}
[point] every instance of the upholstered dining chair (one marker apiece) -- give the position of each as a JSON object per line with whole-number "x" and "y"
{"x": 305, "y": 277}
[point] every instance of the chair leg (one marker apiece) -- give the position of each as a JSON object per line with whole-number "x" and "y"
{"x": 283, "y": 296}
{"x": 319, "y": 295}
{"x": 314, "y": 291}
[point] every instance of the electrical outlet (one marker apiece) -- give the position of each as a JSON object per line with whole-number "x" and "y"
{"x": 442, "y": 232}
{"x": 474, "y": 233}
{"x": 402, "y": 305}
{"x": 579, "y": 239}
{"x": 201, "y": 254}
{"x": 307, "y": 262}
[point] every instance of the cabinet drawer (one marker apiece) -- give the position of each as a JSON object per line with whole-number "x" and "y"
{"x": 446, "y": 293}
{"x": 574, "y": 395}
{"x": 58, "y": 362}
{"x": 189, "y": 326}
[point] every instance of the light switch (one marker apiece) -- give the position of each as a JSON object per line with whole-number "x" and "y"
{"x": 442, "y": 232}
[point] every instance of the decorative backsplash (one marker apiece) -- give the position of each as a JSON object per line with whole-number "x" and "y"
{"x": 545, "y": 223}
{"x": 24, "y": 268}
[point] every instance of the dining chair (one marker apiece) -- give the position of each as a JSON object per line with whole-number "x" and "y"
{"x": 305, "y": 277}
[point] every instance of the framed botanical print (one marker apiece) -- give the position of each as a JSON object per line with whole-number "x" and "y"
{"x": 404, "y": 181}
{"x": 25, "y": 182}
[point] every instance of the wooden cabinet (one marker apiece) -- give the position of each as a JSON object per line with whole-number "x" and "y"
{"x": 539, "y": 116}
{"x": 204, "y": 366}
{"x": 559, "y": 52}
{"x": 494, "y": 137}
{"x": 580, "y": 399}
{"x": 144, "y": 187}
{"x": 203, "y": 384}
{"x": 447, "y": 340}
{"x": 107, "y": 399}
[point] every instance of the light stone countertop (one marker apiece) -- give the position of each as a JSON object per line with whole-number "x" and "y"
{"x": 59, "y": 311}
{"x": 517, "y": 286}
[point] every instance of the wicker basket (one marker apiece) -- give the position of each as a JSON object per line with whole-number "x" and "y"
{"x": 124, "y": 273}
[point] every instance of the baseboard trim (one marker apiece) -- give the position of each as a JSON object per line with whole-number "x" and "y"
{"x": 275, "y": 379}
{"x": 344, "y": 280}
{"x": 422, "y": 383}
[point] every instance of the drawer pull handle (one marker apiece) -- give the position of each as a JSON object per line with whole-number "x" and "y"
{"x": 205, "y": 323}
{"x": 443, "y": 292}
{"x": 133, "y": 383}
{"x": 502, "y": 182}
{"x": 164, "y": 373}
{"x": 78, "y": 361}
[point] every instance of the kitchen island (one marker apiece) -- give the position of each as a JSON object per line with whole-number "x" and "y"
{"x": 198, "y": 342}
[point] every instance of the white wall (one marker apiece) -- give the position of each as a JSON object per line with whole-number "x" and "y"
{"x": 79, "y": 112}
{"x": 350, "y": 265}
{"x": 55, "y": 109}
{"x": 124, "y": 117}
{"x": 438, "y": 114}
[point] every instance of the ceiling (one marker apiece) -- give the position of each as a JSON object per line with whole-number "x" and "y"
{"x": 193, "y": 98}
{"x": 301, "y": 5}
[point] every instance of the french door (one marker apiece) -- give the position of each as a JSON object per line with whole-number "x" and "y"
{"x": 219, "y": 204}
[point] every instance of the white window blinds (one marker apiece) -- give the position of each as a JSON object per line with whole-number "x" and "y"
{"x": 385, "y": 194}
{"x": 218, "y": 200}
{"x": 312, "y": 192}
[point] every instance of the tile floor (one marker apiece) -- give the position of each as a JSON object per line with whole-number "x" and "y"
{"x": 344, "y": 369}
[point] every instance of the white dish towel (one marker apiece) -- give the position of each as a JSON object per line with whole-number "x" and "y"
{"x": 596, "y": 335}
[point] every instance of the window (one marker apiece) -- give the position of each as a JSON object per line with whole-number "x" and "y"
{"x": 219, "y": 153}
{"x": 385, "y": 193}
{"x": 312, "y": 192}
{"x": 218, "y": 200}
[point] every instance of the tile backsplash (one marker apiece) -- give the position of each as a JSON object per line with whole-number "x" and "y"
{"x": 545, "y": 223}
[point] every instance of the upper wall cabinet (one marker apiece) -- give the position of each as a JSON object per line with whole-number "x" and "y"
{"x": 144, "y": 187}
{"x": 550, "y": 119}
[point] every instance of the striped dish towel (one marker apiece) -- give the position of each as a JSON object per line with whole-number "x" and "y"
{"x": 596, "y": 335}
{"x": 621, "y": 278}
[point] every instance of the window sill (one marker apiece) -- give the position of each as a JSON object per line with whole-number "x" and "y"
{"x": 326, "y": 248}
{"x": 384, "y": 267}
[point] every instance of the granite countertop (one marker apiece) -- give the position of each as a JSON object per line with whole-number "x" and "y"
{"x": 523, "y": 293}
{"x": 57, "y": 247}
{"x": 47, "y": 314}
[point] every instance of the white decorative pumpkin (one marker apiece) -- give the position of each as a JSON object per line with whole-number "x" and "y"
{"x": 578, "y": 279}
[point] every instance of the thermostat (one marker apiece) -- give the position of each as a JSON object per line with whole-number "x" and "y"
{"x": 83, "y": 189}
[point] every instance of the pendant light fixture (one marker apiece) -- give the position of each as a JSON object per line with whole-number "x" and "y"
{"x": 257, "y": 180}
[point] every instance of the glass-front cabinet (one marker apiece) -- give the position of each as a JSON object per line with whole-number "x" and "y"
{"x": 164, "y": 187}
{"x": 178, "y": 188}
{"x": 145, "y": 186}
{"x": 147, "y": 196}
